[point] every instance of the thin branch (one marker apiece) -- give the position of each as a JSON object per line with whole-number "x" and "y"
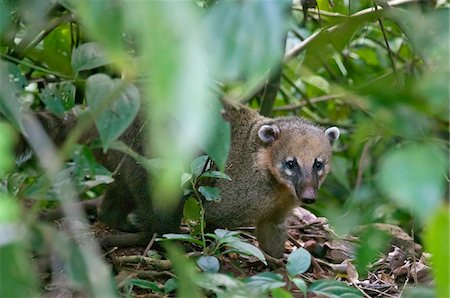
{"x": 307, "y": 102}
{"x": 388, "y": 47}
{"x": 33, "y": 66}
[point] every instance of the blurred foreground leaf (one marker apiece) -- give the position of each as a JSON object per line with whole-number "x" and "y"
{"x": 437, "y": 239}
{"x": 118, "y": 102}
{"x": 407, "y": 177}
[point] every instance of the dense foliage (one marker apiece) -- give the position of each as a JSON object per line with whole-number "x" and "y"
{"x": 379, "y": 70}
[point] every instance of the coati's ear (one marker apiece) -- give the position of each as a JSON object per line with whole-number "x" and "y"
{"x": 332, "y": 134}
{"x": 268, "y": 133}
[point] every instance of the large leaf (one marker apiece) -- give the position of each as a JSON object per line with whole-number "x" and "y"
{"x": 437, "y": 239}
{"x": 117, "y": 103}
{"x": 247, "y": 249}
{"x": 406, "y": 176}
{"x": 218, "y": 130}
{"x": 186, "y": 271}
{"x": 333, "y": 289}
{"x": 246, "y": 38}
{"x": 9, "y": 102}
{"x": 265, "y": 281}
{"x": 298, "y": 261}
{"x": 88, "y": 56}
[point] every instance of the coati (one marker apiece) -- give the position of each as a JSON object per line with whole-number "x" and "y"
{"x": 274, "y": 164}
{"x": 126, "y": 205}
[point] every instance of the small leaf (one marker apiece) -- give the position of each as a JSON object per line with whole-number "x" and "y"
{"x": 265, "y": 281}
{"x": 181, "y": 237}
{"x": 170, "y": 285}
{"x": 215, "y": 174}
{"x": 280, "y": 293}
{"x": 145, "y": 284}
{"x": 247, "y": 249}
{"x": 223, "y": 234}
{"x": 185, "y": 177}
{"x": 210, "y": 193}
{"x": 300, "y": 284}
{"x": 88, "y": 56}
{"x": 208, "y": 264}
{"x": 198, "y": 164}
{"x": 118, "y": 103}
{"x": 333, "y": 289}
{"x": 298, "y": 262}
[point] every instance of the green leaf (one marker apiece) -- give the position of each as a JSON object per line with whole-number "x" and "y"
{"x": 300, "y": 284}
{"x": 186, "y": 271}
{"x": 249, "y": 40}
{"x": 298, "y": 262}
{"x": 265, "y": 281}
{"x": 198, "y": 164}
{"x": 217, "y": 282}
{"x": 9, "y": 102}
{"x": 170, "y": 285}
{"x": 88, "y": 56}
{"x": 7, "y": 154}
{"x": 181, "y": 237}
{"x": 437, "y": 239}
{"x": 406, "y": 176}
{"x": 118, "y": 103}
{"x": 372, "y": 243}
{"x": 280, "y": 293}
{"x": 18, "y": 278}
{"x": 191, "y": 210}
{"x": 226, "y": 235}
{"x": 215, "y": 174}
{"x": 218, "y": 130}
{"x": 9, "y": 213}
{"x": 247, "y": 249}
{"x": 333, "y": 289}
{"x": 59, "y": 97}
{"x": 421, "y": 292}
{"x": 145, "y": 284}
{"x": 208, "y": 264}
{"x": 210, "y": 193}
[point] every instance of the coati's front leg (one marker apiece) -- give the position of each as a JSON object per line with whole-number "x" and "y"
{"x": 271, "y": 235}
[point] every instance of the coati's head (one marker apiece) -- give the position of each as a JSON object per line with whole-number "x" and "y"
{"x": 297, "y": 154}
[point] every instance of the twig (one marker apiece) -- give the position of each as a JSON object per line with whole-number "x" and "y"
{"x": 160, "y": 264}
{"x": 294, "y": 241}
{"x": 361, "y": 162}
{"x": 308, "y": 102}
{"x": 150, "y": 244}
{"x": 388, "y": 47}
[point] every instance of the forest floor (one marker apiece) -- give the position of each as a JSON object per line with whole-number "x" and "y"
{"x": 402, "y": 264}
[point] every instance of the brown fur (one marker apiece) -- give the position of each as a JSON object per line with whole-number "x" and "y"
{"x": 259, "y": 193}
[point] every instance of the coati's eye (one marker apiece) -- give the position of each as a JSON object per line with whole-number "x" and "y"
{"x": 290, "y": 164}
{"x": 318, "y": 165}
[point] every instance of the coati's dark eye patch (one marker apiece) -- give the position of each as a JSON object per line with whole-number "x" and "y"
{"x": 290, "y": 164}
{"x": 318, "y": 165}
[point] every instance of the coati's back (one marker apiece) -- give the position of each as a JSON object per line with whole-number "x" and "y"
{"x": 274, "y": 164}
{"x": 127, "y": 204}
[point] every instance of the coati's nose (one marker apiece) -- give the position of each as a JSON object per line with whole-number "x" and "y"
{"x": 308, "y": 195}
